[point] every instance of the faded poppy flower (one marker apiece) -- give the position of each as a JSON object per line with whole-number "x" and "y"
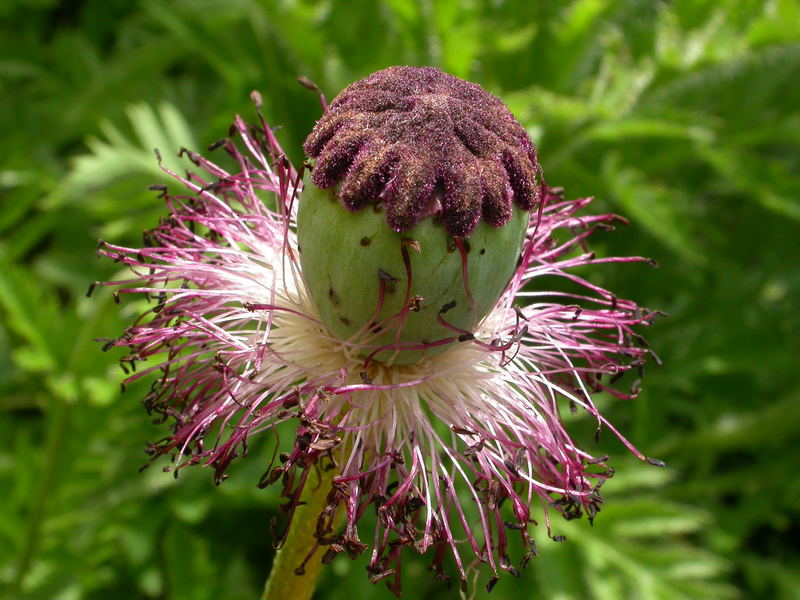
{"x": 411, "y": 334}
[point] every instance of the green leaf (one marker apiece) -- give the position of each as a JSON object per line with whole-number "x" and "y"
{"x": 654, "y": 206}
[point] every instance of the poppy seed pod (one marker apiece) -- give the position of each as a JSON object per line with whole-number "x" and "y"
{"x": 412, "y": 220}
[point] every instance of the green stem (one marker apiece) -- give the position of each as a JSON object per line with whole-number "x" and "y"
{"x": 283, "y": 584}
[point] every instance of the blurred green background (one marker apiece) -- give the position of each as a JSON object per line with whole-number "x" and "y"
{"x": 682, "y": 116}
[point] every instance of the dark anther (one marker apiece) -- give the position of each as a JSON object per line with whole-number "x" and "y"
{"x": 192, "y": 156}
{"x": 324, "y": 540}
{"x": 329, "y": 555}
{"x": 473, "y": 449}
{"x": 653, "y": 263}
{"x": 465, "y": 337}
{"x": 219, "y": 143}
{"x": 214, "y": 187}
{"x": 158, "y": 187}
{"x": 271, "y": 477}
{"x": 307, "y": 165}
{"x": 559, "y": 538}
{"x": 303, "y": 440}
{"x": 655, "y": 462}
{"x": 366, "y": 379}
{"x": 616, "y": 377}
{"x": 492, "y": 582}
{"x": 461, "y": 430}
{"x": 414, "y": 305}
{"x": 414, "y": 504}
{"x": 90, "y": 291}
{"x": 293, "y": 399}
{"x": 158, "y": 155}
{"x": 512, "y": 468}
{"x": 116, "y": 297}
{"x": 108, "y": 345}
{"x": 446, "y": 307}
{"x": 354, "y": 548}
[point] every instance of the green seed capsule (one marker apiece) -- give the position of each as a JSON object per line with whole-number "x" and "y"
{"x": 412, "y": 219}
{"x": 357, "y": 272}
